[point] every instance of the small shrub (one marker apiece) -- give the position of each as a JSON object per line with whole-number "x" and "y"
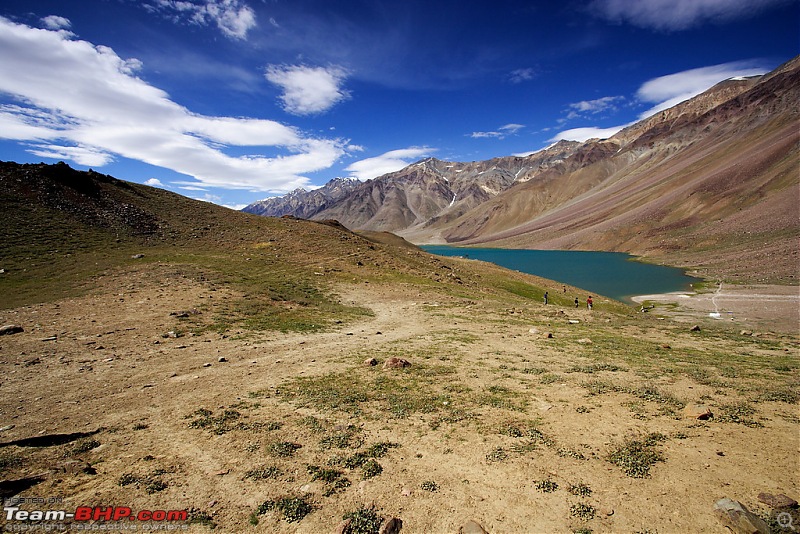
{"x": 292, "y": 508}
{"x": 637, "y": 456}
{"x": 545, "y": 486}
{"x": 363, "y": 521}
{"x": 582, "y": 511}
{"x": 429, "y": 485}
{"x": 580, "y": 490}
{"x": 497, "y": 455}
{"x": 283, "y": 449}
{"x": 263, "y": 473}
{"x": 371, "y": 469}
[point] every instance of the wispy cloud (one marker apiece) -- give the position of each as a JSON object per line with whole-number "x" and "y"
{"x": 308, "y": 90}
{"x": 501, "y": 133}
{"x": 391, "y": 161}
{"x": 674, "y": 15}
{"x": 663, "y": 93}
{"x": 598, "y": 105}
{"x": 586, "y": 133}
{"x": 110, "y": 112}
{"x": 233, "y": 17}
{"x": 522, "y": 75}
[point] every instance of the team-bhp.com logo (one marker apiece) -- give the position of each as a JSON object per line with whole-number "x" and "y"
{"x": 92, "y": 518}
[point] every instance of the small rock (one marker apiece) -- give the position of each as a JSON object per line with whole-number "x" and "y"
{"x": 206, "y": 365}
{"x": 774, "y": 501}
{"x": 746, "y": 333}
{"x": 472, "y": 527}
{"x": 7, "y": 427}
{"x": 137, "y": 256}
{"x": 406, "y": 492}
{"x": 372, "y": 362}
{"x": 585, "y": 341}
{"x": 343, "y": 527}
{"x": 396, "y": 363}
{"x": 391, "y": 525}
{"x": 9, "y": 329}
{"x": 607, "y": 511}
{"x": 738, "y": 519}
{"x": 665, "y": 346}
{"x": 695, "y": 328}
{"x": 222, "y": 359}
{"x": 533, "y": 330}
{"x": 547, "y": 335}
{"x": 697, "y": 411}
{"x": 305, "y": 488}
{"x": 574, "y": 321}
{"x": 222, "y": 473}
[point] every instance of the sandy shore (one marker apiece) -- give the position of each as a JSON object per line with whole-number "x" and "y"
{"x": 755, "y": 307}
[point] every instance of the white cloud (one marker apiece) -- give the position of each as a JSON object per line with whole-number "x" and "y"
{"x": 673, "y": 15}
{"x": 155, "y": 182}
{"x": 584, "y": 134}
{"x": 109, "y": 112}
{"x": 233, "y": 17}
{"x": 670, "y": 90}
{"x": 501, "y": 133}
{"x": 308, "y": 90}
{"x": 54, "y": 22}
{"x": 391, "y": 161}
{"x": 522, "y": 75}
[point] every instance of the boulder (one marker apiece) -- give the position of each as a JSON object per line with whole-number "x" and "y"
{"x": 697, "y": 411}
{"x": 736, "y": 517}
{"x": 9, "y": 329}
{"x": 778, "y": 502}
{"x": 695, "y": 328}
{"x": 396, "y": 363}
{"x": 370, "y": 362}
{"x": 391, "y": 525}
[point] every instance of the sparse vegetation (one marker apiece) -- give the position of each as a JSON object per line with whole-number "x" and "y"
{"x": 365, "y": 520}
{"x": 292, "y": 508}
{"x": 637, "y": 455}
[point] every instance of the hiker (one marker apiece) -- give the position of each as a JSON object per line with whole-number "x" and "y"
{"x": 576, "y": 302}
{"x": 564, "y": 288}
{"x": 589, "y": 303}
{"x": 545, "y": 297}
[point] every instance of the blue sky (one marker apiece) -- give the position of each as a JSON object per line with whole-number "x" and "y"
{"x": 232, "y": 101}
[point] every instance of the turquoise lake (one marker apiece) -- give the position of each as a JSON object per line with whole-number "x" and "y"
{"x": 612, "y": 274}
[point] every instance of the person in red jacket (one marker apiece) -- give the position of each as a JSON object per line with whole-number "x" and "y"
{"x": 589, "y": 303}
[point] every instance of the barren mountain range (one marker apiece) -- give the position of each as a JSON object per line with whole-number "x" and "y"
{"x": 711, "y": 184}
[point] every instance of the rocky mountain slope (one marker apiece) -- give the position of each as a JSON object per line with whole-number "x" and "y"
{"x": 304, "y": 204}
{"x": 711, "y": 183}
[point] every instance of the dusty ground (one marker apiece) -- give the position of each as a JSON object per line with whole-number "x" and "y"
{"x": 760, "y": 307}
{"x": 489, "y": 409}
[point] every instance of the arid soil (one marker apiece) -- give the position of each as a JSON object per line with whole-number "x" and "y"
{"x": 760, "y": 307}
{"x": 499, "y": 400}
